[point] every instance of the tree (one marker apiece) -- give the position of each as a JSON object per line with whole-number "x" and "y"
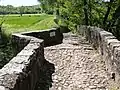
{"x": 108, "y": 11}
{"x": 88, "y": 12}
{"x": 47, "y": 5}
{"x": 22, "y": 10}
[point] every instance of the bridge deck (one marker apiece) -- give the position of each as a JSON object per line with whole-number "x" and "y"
{"x": 77, "y": 65}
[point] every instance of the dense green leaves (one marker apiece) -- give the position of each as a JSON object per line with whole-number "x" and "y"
{"x": 74, "y": 12}
{"x": 70, "y": 13}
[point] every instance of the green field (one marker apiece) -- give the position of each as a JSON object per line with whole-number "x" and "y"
{"x": 17, "y": 23}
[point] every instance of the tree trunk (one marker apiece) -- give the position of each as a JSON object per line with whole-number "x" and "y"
{"x": 115, "y": 16}
{"x": 86, "y": 12}
{"x": 90, "y": 12}
{"x": 106, "y": 15}
{"x": 108, "y": 12}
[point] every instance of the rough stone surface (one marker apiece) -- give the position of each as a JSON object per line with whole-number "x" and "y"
{"x": 22, "y": 72}
{"x": 108, "y": 46}
{"x": 77, "y": 65}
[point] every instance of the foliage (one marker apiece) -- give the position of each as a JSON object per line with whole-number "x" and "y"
{"x": 9, "y": 9}
{"x": 100, "y": 13}
{"x": 72, "y": 12}
{"x": 47, "y": 6}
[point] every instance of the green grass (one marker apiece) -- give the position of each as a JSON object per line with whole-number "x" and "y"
{"x": 16, "y": 23}
{"x": 44, "y": 24}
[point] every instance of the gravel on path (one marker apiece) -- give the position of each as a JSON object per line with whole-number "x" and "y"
{"x": 77, "y": 65}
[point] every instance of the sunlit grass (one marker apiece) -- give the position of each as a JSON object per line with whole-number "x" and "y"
{"x": 44, "y": 24}
{"x": 17, "y": 23}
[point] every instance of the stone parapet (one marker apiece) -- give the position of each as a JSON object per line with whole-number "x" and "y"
{"x": 50, "y": 36}
{"x": 106, "y": 44}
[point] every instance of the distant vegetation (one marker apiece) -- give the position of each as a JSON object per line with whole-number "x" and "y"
{"x": 9, "y": 9}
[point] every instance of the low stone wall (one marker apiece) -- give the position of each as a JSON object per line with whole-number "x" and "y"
{"x": 27, "y": 69}
{"x": 108, "y": 46}
{"x": 50, "y": 36}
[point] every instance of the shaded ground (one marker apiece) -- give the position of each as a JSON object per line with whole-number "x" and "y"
{"x": 77, "y": 65}
{"x": 6, "y": 53}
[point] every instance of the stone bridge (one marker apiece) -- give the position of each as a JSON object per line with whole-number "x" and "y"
{"x": 88, "y": 60}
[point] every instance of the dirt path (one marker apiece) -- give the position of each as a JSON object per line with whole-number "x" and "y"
{"x": 77, "y": 65}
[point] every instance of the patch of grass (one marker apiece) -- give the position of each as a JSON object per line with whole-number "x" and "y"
{"x": 45, "y": 24}
{"x": 23, "y": 21}
{"x": 17, "y": 23}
